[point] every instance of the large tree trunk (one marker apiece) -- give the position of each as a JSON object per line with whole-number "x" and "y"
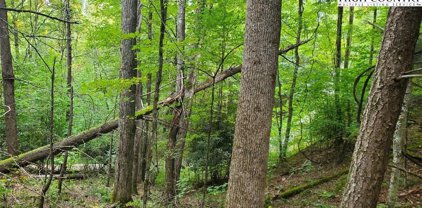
{"x": 8, "y": 84}
{"x": 177, "y": 113}
{"x": 69, "y": 112}
{"x": 124, "y": 164}
{"x": 370, "y": 156}
{"x": 294, "y": 78}
{"x": 398, "y": 145}
{"x": 248, "y": 167}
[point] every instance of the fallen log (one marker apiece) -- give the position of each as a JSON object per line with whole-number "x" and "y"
{"x": 66, "y": 177}
{"x": 299, "y": 189}
{"x": 69, "y": 143}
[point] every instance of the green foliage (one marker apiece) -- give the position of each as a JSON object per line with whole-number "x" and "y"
{"x": 215, "y": 190}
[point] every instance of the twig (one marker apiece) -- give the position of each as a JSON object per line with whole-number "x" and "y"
{"x": 406, "y": 171}
{"x": 37, "y": 13}
{"x": 375, "y": 25}
{"x": 8, "y": 110}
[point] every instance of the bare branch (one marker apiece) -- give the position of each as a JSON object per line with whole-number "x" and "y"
{"x": 38, "y": 13}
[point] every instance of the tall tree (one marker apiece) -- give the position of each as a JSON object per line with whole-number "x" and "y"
{"x": 139, "y": 140}
{"x": 349, "y": 38}
{"x": 177, "y": 111}
{"x": 188, "y": 92}
{"x": 8, "y": 84}
{"x": 400, "y": 136}
{"x": 69, "y": 112}
{"x": 163, "y": 20}
{"x": 123, "y": 177}
{"x": 383, "y": 108}
{"x": 253, "y": 122}
{"x": 294, "y": 78}
{"x": 337, "y": 64}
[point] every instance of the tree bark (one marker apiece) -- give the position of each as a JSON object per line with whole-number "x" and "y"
{"x": 124, "y": 164}
{"x": 11, "y": 130}
{"x": 69, "y": 113}
{"x": 294, "y": 78}
{"x": 253, "y": 123}
{"x": 398, "y": 145}
{"x": 383, "y": 108}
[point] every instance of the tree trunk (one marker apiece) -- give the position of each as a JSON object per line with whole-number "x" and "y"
{"x": 123, "y": 177}
{"x": 293, "y": 86}
{"x": 248, "y": 167}
{"x": 15, "y": 32}
{"x": 163, "y": 10}
{"x": 349, "y": 38}
{"x": 146, "y": 145}
{"x": 8, "y": 84}
{"x": 48, "y": 180}
{"x": 337, "y": 64}
{"x": 398, "y": 145}
{"x": 383, "y": 108}
{"x": 171, "y": 178}
{"x": 139, "y": 140}
{"x": 189, "y": 88}
{"x": 69, "y": 113}
{"x": 146, "y": 153}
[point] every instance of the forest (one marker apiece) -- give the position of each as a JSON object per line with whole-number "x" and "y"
{"x": 209, "y": 103}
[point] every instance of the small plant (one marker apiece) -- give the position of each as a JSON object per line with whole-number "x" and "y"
{"x": 134, "y": 203}
{"x": 327, "y": 194}
{"x": 215, "y": 190}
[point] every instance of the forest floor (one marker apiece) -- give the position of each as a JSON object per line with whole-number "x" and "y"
{"x": 93, "y": 192}
{"x": 289, "y": 178}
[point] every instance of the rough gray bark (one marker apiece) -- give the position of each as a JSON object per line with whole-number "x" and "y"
{"x": 8, "y": 76}
{"x": 383, "y": 108}
{"x": 293, "y": 86}
{"x": 69, "y": 113}
{"x": 398, "y": 145}
{"x": 248, "y": 167}
{"x": 123, "y": 176}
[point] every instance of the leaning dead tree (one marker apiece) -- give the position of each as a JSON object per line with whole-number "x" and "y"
{"x": 71, "y": 142}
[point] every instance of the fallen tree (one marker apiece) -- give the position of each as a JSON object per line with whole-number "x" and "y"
{"x": 299, "y": 189}
{"x": 69, "y": 143}
{"x": 86, "y": 136}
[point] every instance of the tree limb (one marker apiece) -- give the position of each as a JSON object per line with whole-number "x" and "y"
{"x": 38, "y": 13}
